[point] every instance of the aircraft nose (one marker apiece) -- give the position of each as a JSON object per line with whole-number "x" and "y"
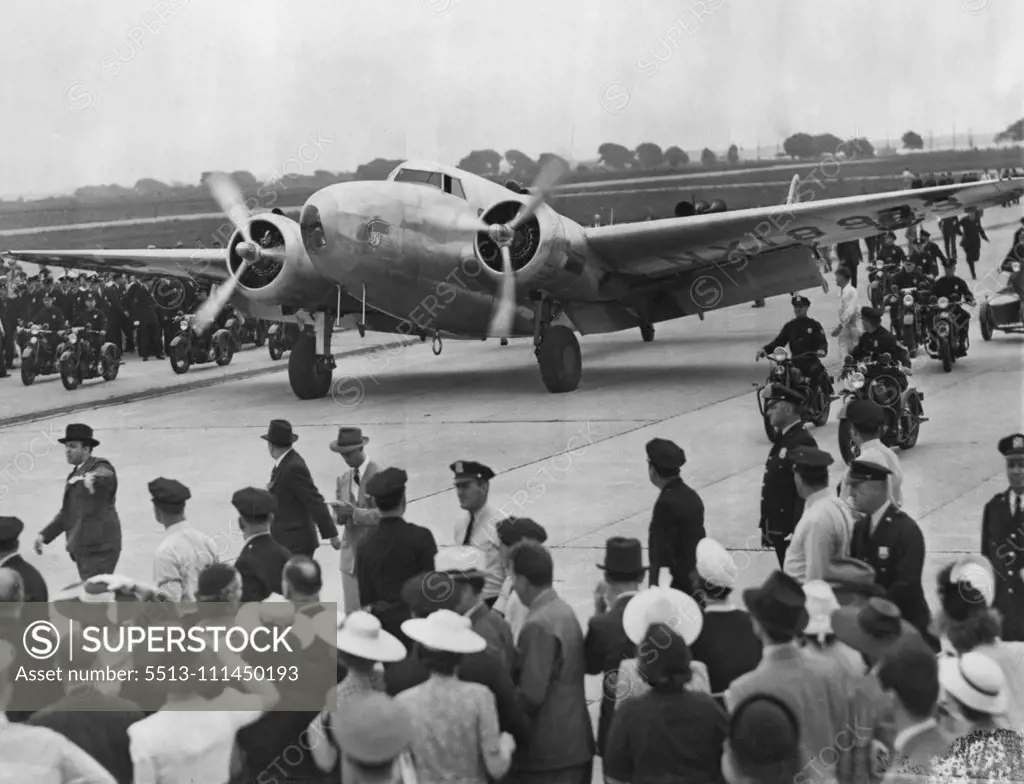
{"x": 332, "y": 227}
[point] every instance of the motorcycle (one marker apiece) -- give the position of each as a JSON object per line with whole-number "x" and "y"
{"x": 281, "y": 338}
{"x": 878, "y": 381}
{"x": 941, "y": 334}
{"x": 80, "y": 361}
{"x": 1004, "y": 310}
{"x": 906, "y": 324}
{"x": 817, "y": 405}
{"x": 40, "y": 346}
{"x": 246, "y": 330}
{"x": 879, "y": 274}
{"x": 188, "y": 349}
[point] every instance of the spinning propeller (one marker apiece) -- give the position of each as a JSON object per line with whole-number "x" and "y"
{"x": 229, "y": 198}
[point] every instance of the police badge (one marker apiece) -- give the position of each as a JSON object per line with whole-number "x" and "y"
{"x": 883, "y": 553}
{"x": 782, "y": 453}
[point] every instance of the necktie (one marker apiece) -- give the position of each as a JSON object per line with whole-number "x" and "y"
{"x": 469, "y": 529}
{"x": 355, "y": 476}
{"x": 1017, "y": 510}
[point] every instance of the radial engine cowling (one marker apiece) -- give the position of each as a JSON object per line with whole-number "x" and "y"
{"x": 292, "y": 281}
{"x": 540, "y": 250}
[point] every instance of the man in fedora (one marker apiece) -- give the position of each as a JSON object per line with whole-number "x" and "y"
{"x": 677, "y": 522}
{"x": 300, "y": 507}
{"x": 88, "y": 515}
{"x": 813, "y": 688}
{"x": 354, "y": 509}
{"x": 890, "y": 541}
{"x": 606, "y": 645}
{"x": 1002, "y": 539}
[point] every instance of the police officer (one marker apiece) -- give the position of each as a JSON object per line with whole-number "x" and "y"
{"x": 677, "y": 523}
{"x": 889, "y": 541}
{"x": 867, "y": 420}
{"x": 261, "y": 562}
{"x": 877, "y": 340}
{"x": 49, "y": 314}
{"x": 93, "y": 320}
{"x": 804, "y": 336}
{"x": 1002, "y": 539}
{"x": 933, "y": 257}
{"x": 948, "y": 286}
{"x": 890, "y": 252}
{"x": 479, "y": 528}
{"x": 950, "y": 228}
{"x": 32, "y": 581}
{"x": 781, "y": 504}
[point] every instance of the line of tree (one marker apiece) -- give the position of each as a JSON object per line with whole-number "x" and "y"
{"x": 1014, "y": 132}
{"x": 804, "y": 146}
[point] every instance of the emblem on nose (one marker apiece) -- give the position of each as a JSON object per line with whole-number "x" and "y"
{"x": 375, "y": 231}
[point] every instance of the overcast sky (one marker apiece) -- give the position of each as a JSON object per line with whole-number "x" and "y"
{"x": 112, "y": 91}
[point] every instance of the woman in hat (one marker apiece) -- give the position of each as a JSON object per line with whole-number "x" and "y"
{"x": 456, "y": 735}
{"x": 362, "y": 644}
{"x": 817, "y": 638}
{"x": 670, "y": 732}
{"x": 968, "y": 622}
{"x": 659, "y": 605}
{"x": 974, "y": 696}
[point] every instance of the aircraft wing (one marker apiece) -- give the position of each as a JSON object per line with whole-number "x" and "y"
{"x": 660, "y": 248}
{"x": 202, "y": 264}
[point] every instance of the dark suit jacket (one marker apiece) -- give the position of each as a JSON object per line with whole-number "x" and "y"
{"x": 300, "y": 507}
{"x": 89, "y": 520}
{"x": 677, "y": 524}
{"x": 1002, "y": 542}
{"x": 140, "y": 304}
{"x": 261, "y": 563}
{"x": 896, "y": 552}
{"x": 605, "y": 647}
{"x": 31, "y": 579}
{"x": 781, "y": 505}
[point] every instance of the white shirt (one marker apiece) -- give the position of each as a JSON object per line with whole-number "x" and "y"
{"x": 484, "y": 537}
{"x": 511, "y": 606}
{"x": 848, "y": 306}
{"x": 41, "y": 756}
{"x": 191, "y": 746}
{"x": 821, "y": 536}
{"x": 1012, "y": 498}
{"x": 179, "y": 559}
{"x": 878, "y": 514}
{"x": 277, "y": 463}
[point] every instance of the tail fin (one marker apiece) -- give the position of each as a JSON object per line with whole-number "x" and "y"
{"x": 791, "y": 196}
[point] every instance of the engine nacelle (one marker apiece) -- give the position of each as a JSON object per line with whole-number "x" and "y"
{"x": 292, "y": 282}
{"x": 540, "y": 251}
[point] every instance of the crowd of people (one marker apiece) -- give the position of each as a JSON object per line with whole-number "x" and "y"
{"x": 461, "y": 663}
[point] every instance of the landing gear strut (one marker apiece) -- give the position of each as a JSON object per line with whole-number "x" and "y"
{"x": 311, "y": 363}
{"x": 557, "y": 350}
{"x": 647, "y": 332}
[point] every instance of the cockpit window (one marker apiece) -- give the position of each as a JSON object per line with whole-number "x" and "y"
{"x": 454, "y": 187}
{"x": 424, "y": 177}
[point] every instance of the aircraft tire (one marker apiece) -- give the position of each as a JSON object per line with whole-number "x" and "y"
{"x": 560, "y": 360}
{"x": 308, "y": 380}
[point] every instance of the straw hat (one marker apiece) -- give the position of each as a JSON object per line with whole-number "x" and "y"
{"x": 361, "y": 635}
{"x": 714, "y": 564}
{"x": 820, "y": 603}
{"x": 445, "y": 630}
{"x": 662, "y": 605}
{"x": 976, "y": 681}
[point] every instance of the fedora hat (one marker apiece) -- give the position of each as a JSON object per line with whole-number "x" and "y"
{"x": 623, "y": 557}
{"x": 79, "y": 432}
{"x": 820, "y": 602}
{"x": 976, "y": 681}
{"x": 361, "y": 635}
{"x": 873, "y": 628}
{"x": 445, "y": 630}
{"x": 349, "y": 440}
{"x": 662, "y": 605}
{"x": 279, "y": 433}
{"x": 779, "y": 605}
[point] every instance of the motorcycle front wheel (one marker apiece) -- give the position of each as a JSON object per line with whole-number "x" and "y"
{"x": 180, "y": 359}
{"x": 70, "y": 375}
{"x": 946, "y": 355}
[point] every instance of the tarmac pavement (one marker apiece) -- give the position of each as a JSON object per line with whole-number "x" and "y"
{"x": 574, "y": 462}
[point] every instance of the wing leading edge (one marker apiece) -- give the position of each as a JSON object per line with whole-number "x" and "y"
{"x": 204, "y": 264}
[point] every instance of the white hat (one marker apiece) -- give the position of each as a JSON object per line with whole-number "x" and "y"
{"x": 662, "y": 605}
{"x": 361, "y": 635}
{"x": 445, "y": 630}
{"x": 976, "y": 681}
{"x": 976, "y": 570}
{"x": 714, "y": 564}
{"x": 820, "y": 603}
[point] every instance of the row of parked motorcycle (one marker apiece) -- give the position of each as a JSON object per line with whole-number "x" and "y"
{"x": 79, "y": 354}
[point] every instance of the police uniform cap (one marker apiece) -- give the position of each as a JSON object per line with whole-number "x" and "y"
{"x": 215, "y": 578}
{"x": 870, "y": 313}
{"x": 390, "y": 481}
{"x": 780, "y": 392}
{"x": 800, "y": 301}
{"x": 925, "y": 233}
{"x": 253, "y": 502}
{"x": 810, "y": 457}
{"x": 10, "y": 528}
{"x": 865, "y": 471}
{"x": 665, "y": 454}
{"x": 469, "y": 469}
{"x": 865, "y": 414}
{"x": 1012, "y": 445}
{"x": 169, "y": 494}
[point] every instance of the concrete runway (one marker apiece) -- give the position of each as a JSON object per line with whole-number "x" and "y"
{"x": 574, "y": 462}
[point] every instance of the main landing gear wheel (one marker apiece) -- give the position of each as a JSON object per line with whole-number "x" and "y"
{"x": 309, "y": 378}
{"x": 560, "y": 360}
{"x": 647, "y": 332}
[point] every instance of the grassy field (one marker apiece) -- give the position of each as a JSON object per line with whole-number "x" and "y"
{"x": 692, "y": 180}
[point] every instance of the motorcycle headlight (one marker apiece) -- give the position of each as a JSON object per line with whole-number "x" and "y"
{"x": 942, "y": 328}
{"x": 857, "y": 380}
{"x": 35, "y": 332}
{"x": 943, "y": 302}
{"x": 780, "y": 354}
{"x": 908, "y": 300}
{"x": 184, "y": 324}
{"x": 1015, "y": 266}
{"x": 72, "y": 338}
